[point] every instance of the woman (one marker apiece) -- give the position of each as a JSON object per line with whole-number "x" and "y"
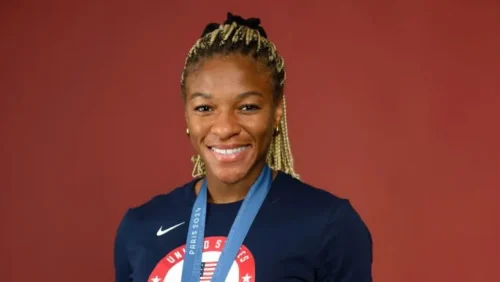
{"x": 246, "y": 216}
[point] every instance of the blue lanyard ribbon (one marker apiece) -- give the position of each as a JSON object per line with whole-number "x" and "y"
{"x": 191, "y": 270}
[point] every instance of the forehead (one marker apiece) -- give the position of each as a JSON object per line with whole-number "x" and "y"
{"x": 231, "y": 74}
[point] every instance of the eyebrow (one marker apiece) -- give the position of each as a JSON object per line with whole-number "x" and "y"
{"x": 240, "y": 96}
{"x": 201, "y": 95}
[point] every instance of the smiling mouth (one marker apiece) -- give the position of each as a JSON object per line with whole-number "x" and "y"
{"x": 229, "y": 154}
{"x": 229, "y": 151}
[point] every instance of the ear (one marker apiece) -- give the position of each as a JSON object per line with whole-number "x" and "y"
{"x": 278, "y": 112}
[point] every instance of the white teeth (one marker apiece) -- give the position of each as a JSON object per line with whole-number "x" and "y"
{"x": 229, "y": 151}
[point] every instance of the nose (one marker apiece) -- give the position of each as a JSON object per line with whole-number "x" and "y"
{"x": 226, "y": 125}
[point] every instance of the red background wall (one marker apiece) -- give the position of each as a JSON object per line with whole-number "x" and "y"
{"x": 393, "y": 104}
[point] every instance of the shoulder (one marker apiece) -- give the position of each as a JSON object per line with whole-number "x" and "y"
{"x": 338, "y": 212}
{"x": 167, "y": 206}
{"x": 335, "y": 216}
{"x": 344, "y": 242}
{"x": 297, "y": 191}
{"x": 162, "y": 202}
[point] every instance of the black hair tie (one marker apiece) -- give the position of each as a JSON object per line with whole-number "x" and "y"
{"x": 253, "y": 23}
{"x": 209, "y": 28}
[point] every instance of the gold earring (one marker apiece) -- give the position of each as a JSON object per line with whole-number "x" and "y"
{"x": 187, "y": 131}
{"x": 276, "y": 131}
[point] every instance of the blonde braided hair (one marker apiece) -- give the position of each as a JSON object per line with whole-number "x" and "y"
{"x": 246, "y": 37}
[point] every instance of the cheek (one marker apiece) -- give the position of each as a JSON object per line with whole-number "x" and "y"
{"x": 261, "y": 131}
{"x": 194, "y": 122}
{"x": 197, "y": 134}
{"x": 197, "y": 128}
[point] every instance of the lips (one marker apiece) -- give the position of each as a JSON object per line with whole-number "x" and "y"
{"x": 229, "y": 153}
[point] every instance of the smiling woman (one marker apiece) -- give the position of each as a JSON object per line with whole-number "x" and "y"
{"x": 231, "y": 125}
{"x": 248, "y": 216}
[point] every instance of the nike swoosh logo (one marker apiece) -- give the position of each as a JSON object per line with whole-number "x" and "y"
{"x": 163, "y": 232}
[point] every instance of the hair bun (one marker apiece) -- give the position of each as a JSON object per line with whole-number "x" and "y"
{"x": 253, "y": 23}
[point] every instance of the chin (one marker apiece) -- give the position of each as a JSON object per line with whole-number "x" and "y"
{"x": 229, "y": 175}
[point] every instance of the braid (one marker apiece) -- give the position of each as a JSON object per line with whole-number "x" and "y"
{"x": 279, "y": 156}
{"x": 245, "y": 37}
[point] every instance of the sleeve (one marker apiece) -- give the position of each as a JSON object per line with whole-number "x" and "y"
{"x": 346, "y": 249}
{"x": 122, "y": 266}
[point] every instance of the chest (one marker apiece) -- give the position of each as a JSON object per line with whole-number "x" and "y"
{"x": 279, "y": 247}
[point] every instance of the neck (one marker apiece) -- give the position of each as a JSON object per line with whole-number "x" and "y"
{"x": 224, "y": 193}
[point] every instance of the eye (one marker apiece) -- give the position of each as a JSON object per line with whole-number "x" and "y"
{"x": 250, "y": 107}
{"x": 203, "y": 108}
